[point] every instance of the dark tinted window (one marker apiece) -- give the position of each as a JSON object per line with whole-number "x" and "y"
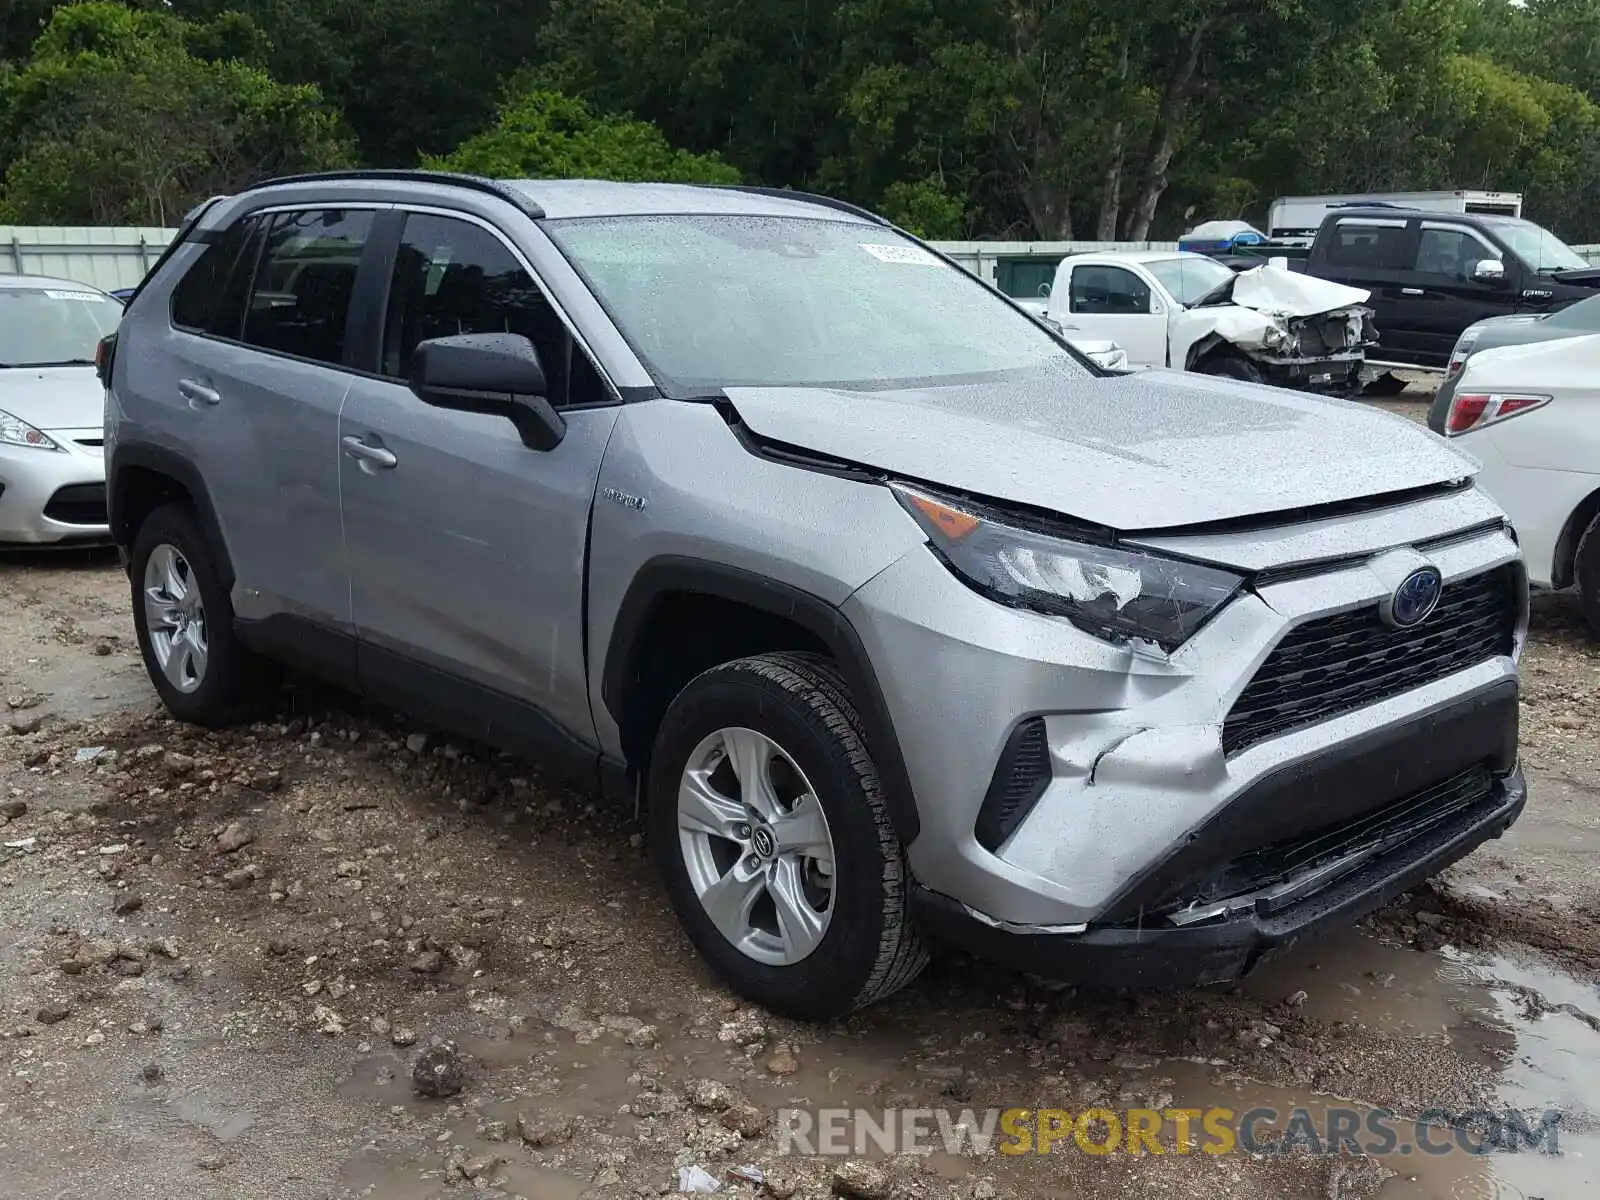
{"x": 455, "y": 277}
{"x": 1450, "y": 252}
{"x": 210, "y": 297}
{"x": 1376, "y": 245}
{"x": 1108, "y": 290}
{"x": 300, "y": 297}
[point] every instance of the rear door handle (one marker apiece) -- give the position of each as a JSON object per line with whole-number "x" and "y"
{"x": 1411, "y": 292}
{"x": 197, "y": 393}
{"x": 376, "y": 455}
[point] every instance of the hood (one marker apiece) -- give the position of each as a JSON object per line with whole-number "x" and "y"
{"x": 1282, "y": 293}
{"x": 1154, "y": 450}
{"x": 1578, "y": 277}
{"x": 53, "y": 397}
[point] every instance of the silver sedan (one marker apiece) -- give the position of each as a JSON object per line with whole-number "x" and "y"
{"x": 52, "y": 410}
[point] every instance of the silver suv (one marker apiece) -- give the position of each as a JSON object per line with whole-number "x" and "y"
{"x": 898, "y": 620}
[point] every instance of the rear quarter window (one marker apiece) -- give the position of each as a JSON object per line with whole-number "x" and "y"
{"x": 210, "y": 296}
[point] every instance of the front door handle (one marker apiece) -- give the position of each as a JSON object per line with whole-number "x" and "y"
{"x": 363, "y": 453}
{"x": 197, "y": 393}
{"x": 1411, "y": 291}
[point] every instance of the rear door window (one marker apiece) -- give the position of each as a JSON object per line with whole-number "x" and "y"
{"x": 300, "y": 295}
{"x": 1373, "y": 245}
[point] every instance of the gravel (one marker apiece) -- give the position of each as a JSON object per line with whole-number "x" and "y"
{"x": 323, "y": 891}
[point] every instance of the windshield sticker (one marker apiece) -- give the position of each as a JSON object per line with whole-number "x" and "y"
{"x": 89, "y": 296}
{"x": 911, "y": 256}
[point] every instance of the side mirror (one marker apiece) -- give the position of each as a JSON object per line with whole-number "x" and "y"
{"x": 1489, "y": 270}
{"x": 497, "y": 374}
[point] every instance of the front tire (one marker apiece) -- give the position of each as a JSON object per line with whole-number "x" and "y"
{"x": 1231, "y": 366}
{"x": 769, "y": 825}
{"x": 184, "y": 622}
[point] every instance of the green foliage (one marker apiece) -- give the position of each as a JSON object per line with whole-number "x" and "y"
{"x": 545, "y": 134}
{"x": 977, "y": 118}
{"x": 114, "y": 120}
{"x": 926, "y": 209}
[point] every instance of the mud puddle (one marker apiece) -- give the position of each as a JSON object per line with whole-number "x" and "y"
{"x": 1534, "y": 1028}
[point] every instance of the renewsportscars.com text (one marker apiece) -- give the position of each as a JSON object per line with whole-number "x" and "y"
{"x": 1138, "y": 1131}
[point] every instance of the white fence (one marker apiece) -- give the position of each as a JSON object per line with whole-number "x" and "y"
{"x": 112, "y": 258}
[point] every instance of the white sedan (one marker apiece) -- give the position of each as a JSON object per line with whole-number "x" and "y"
{"x": 1531, "y": 415}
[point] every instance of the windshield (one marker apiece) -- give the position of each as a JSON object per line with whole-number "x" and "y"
{"x": 1189, "y": 279}
{"x": 46, "y": 327}
{"x": 729, "y": 301}
{"x": 1539, "y": 249}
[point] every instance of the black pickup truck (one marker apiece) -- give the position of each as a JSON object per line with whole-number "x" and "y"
{"x": 1431, "y": 274}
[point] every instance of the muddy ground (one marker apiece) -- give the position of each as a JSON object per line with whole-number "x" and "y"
{"x": 221, "y": 956}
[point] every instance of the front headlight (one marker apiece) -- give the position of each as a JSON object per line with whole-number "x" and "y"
{"x": 1117, "y": 595}
{"x": 14, "y": 431}
{"x": 1277, "y": 337}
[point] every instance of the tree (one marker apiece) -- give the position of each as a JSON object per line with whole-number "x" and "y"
{"x": 412, "y": 77}
{"x": 115, "y": 120}
{"x": 541, "y": 133}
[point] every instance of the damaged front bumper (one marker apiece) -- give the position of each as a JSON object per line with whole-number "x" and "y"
{"x": 1139, "y": 824}
{"x": 1407, "y": 841}
{"x": 1337, "y": 374}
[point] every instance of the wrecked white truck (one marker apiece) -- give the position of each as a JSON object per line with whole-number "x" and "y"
{"x": 1169, "y": 309}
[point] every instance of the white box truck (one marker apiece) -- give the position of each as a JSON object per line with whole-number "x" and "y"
{"x": 1299, "y": 217}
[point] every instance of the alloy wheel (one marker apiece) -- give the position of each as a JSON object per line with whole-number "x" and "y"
{"x": 175, "y": 618}
{"x": 757, "y": 845}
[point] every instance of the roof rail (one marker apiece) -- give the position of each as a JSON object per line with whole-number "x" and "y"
{"x": 804, "y": 198}
{"x": 477, "y": 183}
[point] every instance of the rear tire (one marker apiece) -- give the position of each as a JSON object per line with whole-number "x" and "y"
{"x": 788, "y": 722}
{"x": 183, "y": 618}
{"x": 1586, "y": 574}
{"x": 1231, "y": 366}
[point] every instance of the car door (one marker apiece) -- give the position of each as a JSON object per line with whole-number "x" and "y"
{"x": 1372, "y": 253}
{"x": 466, "y": 547}
{"x": 1114, "y": 302}
{"x": 1444, "y": 296}
{"x": 252, "y": 375}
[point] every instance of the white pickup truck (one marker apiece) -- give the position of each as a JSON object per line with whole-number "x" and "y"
{"x": 1170, "y": 309}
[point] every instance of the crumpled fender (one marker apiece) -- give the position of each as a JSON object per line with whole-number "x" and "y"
{"x": 1243, "y": 327}
{"x": 1262, "y": 298}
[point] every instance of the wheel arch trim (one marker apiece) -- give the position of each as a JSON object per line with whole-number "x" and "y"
{"x": 670, "y": 575}
{"x": 161, "y": 461}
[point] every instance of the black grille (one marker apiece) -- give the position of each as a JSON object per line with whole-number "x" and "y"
{"x": 78, "y": 504}
{"x": 1020, "y": 778}
{"x": 1338, "y": 664}
{"x": 1390, "y": 825}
